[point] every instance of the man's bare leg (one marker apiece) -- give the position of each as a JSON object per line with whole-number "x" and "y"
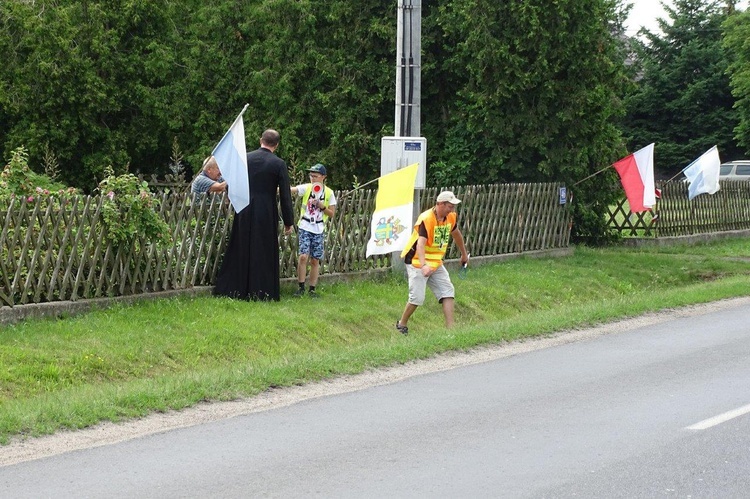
{"x": 448, "y": 304}
{"x": 408, "y": 310}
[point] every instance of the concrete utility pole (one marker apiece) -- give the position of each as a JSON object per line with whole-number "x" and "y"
{"x": 408, "y": 94}
{"x": 408, "y": 68}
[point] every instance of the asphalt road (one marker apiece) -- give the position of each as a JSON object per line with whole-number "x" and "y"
{"x": 661, "y": 410}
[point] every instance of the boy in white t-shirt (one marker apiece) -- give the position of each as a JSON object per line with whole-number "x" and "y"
{"x": 318, "y": 205}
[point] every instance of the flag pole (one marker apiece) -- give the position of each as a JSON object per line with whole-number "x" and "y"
{"x": 366, "y": 183}
{"x": 592, "y": 175}
{"x": 683, "y": 170}
{"x": 239, "y": 116}
{"x": 691, "y": 163}
{"x": 670, "y": 179}
{"x": 359, "y": 187}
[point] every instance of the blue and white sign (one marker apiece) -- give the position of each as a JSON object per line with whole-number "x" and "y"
{"x": 399, "y": 152}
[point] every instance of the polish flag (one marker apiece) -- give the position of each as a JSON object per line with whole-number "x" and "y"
{"x": 637, "y": 177}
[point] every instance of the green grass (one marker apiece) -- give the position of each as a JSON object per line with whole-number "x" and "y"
{"x": 128, "y": 361}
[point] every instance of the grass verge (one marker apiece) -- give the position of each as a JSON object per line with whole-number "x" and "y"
{"x": 128, "y": 361}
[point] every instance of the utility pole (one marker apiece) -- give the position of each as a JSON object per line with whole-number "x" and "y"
{"x": 408, "y": 93}
{"x": 408, "y": 68}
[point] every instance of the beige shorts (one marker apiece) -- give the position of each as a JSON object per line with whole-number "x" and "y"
{"x": 439, "y": 282}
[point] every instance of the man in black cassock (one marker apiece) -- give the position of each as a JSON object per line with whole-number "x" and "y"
{"x": 250, "y": 269}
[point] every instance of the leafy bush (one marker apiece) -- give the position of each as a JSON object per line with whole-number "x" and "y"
{"x": 129, "y": 211}
{"x": 17, "y": 179}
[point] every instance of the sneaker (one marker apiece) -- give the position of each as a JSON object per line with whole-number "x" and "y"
{"x": 313, "y": 293}
{"x": 402, "y": 329}
{"x": 299, "y": 293}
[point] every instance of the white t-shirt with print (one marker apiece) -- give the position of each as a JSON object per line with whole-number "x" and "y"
{"x": 312, "y": 220}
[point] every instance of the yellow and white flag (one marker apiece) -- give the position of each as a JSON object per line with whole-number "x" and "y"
{"x": 391, "y": 223}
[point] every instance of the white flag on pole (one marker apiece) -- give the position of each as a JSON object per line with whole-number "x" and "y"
{"x": 703, "y": 173}
{"x": 231, "y": 156}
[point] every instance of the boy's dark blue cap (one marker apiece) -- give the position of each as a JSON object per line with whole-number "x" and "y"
{"x": 318, "y": 168}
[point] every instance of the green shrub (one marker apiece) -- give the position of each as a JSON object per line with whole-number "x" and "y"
{"x": 129, "y": 210}
{"x": 17, "y": 179}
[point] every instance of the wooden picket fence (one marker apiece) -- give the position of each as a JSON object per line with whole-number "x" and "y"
{"x": 54, "y": 251}
{"x": 675, "y": 215}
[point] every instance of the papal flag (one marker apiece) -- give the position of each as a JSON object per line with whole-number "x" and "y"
{"x": 231, "y": 156}
{"x": 391, "y": 223}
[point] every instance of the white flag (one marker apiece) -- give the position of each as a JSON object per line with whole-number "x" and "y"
{"x": 703, "y": 173}
{"x": 231, "y": 156}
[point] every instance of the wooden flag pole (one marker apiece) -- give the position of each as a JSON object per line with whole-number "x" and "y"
{"x": 682, "y": 171}
{"x": 359, "y": 187}
{"x": 669, "y": 180}
{"x": 593, "y": 174}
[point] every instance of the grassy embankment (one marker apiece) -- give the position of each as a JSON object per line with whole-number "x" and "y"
{"x": 169, "y": 354}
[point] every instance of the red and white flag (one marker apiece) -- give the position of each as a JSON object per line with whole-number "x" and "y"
{"x": 637, "y": 176}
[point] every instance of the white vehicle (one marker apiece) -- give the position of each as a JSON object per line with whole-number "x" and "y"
{"x": 735, "y": 170}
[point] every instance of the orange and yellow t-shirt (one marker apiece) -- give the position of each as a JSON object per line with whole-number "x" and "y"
{"x": 438, "y": 236}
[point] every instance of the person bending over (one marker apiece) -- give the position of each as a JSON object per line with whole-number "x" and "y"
{"x": 424, "y": 255}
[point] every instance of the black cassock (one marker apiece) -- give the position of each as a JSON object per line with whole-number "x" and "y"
{"x": 250, "y": 269}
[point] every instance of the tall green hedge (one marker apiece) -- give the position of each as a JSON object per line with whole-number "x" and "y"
{"x": 511, "y": 91}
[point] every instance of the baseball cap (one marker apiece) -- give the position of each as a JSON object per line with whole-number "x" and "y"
{"x": 317, "y": 168}
{"x": 448, "y": 196}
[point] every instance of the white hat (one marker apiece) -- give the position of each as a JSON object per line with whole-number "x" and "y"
{"x": 448, "y": 196}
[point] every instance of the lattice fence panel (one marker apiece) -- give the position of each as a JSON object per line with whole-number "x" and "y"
{"x": 676, "y": 215}
{"x": 53, "y": 250}
{"x": 507, "y": 218}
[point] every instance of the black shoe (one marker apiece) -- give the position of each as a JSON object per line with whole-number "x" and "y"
{"x": 402, "y": 329}
{"x": 299, "y": 293}
{"x": 313, "y": 294}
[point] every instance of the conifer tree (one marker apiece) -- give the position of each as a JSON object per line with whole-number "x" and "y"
{"x": 683, "y": 101}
